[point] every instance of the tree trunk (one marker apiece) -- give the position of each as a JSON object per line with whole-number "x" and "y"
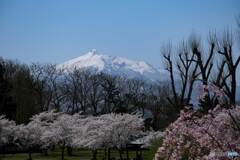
{"x": 136, "y": 154}
{"x": 120, "y": 154}
{"x": 45, "y": 152}
{"x": 4, "y": 150}
{"x": 127, "y": 154}
{"x": 94, "y": 154}
{"x": 109, "y": 153}
{"x": 29, "y": 155}
{"x": 105, "y": 153}
{"x": 62, "y": 152}
{"x": 69, "y": 151}
{"x": 233, "y": 89}
{"x": 140, "y": 154}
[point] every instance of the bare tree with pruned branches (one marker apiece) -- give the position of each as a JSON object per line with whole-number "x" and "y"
{"x": 187, "y": 71}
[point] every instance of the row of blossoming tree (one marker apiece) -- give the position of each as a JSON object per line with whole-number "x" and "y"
{"x": 49, "y": 129}
{"x": 211, "y": 130}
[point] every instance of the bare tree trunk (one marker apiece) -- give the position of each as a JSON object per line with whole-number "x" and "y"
{"x": 69, "y": 151}
{"x": 191, "y": 85}
{"x": 105, "y": 153}
{"x": 45, "y": 152}
{"x": 127, "y": 154}
{"x": 233, "y": 87}
{"x": 170, "y": 70}
{"x": 30, "y": 155}
{"x": 120, "y": 154}
{"x": 62, "y": 148}
{"x": 94, "y": 154}
{"x": 109, "y": 153}
{"x": 232, "y": 68}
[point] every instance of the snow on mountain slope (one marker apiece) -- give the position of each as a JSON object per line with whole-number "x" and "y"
{"x": 115, "y": 66}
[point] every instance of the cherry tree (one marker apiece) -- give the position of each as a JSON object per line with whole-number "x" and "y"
{"x": 90, "y": 132}
{"x": 51, "y": 128}
{"x": 107, "y": 131}
{"x": 111, "y": 130}
{"x": 60, "y": 132}
{"x": 28, "y": 136}
{"x": 195, "y": 136}
{"x": 121, "y": 129}
{"x": 7, "y": 130}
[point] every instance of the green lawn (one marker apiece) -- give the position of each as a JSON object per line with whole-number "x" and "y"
{"x": 79, "y": 155}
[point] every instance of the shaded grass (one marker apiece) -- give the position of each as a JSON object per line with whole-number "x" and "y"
{"x": 81, "y": 154}
{"x": 152, "y": 150}
{"x": 56, "y": 155}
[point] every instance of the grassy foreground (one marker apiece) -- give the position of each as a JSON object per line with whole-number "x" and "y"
{"x": 80, "y": 154}
{"x": 77, "y": 155}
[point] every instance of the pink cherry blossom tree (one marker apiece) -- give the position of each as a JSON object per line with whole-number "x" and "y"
{"x": 197, "y": 136}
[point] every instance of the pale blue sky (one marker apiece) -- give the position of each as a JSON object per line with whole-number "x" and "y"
{"x": 57, "y": 30}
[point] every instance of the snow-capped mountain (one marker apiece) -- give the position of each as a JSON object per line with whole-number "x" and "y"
{"x": 120, "y": 66}
{"x": 115, "y": 66}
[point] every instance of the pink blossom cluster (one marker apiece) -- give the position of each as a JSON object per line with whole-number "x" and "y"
{"x": 211, "y": 89}
{"x": 197, "y": 136}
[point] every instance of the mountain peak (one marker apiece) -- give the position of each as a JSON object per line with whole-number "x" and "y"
{"x": 114, "y": 65}
{"x": 92, "y": 52}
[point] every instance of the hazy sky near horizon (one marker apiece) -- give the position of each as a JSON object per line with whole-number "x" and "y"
{"x": 54, "y": 31}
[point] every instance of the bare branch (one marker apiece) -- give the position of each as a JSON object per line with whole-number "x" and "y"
{"x": 209, "y": 70}
{"x": 237, "y": 62}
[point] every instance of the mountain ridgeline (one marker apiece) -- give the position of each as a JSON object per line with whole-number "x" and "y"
{"x": 131, "y": 69}
{"x": 114, "y": 65}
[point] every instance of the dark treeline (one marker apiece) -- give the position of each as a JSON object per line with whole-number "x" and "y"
{"x": 30, "y": 89}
